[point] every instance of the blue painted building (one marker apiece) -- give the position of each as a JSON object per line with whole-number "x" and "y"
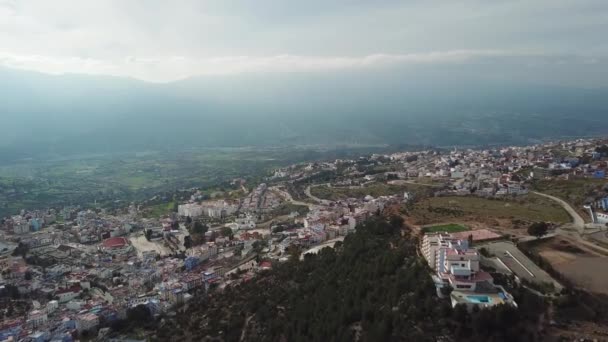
{"x": 191, "y": 263}
{"x": 35, "y": 224}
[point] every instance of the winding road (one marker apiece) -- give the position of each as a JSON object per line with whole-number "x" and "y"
{"x": 577, "y": 221}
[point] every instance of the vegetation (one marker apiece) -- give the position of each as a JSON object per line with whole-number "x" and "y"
{"x": 288, "y": 208}
{"x": 373, "y": 287}
{"x": 450, "y": 228}
{"x": 111, "y": 181}
{"x": 159, "y": 210}
{"x": 538, "y": 229}
{"x": 528, "y": 208}
{"x": 574, "y": 191}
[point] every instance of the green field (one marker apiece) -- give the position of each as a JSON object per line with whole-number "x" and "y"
{"x": 527, "y": 208}
{"x": 116, "y": 179}
{"x": 450, "y": 228}
{"x": 159, "y": 210}
{"x": 374, "y": 190}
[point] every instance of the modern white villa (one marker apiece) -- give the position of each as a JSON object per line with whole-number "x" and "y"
{"x": 456, "y": 265}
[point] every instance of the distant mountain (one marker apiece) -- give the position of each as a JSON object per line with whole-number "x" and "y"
{"x": 45, "y": 115}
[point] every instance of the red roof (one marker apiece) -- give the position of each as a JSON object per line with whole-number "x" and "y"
{"x": 115, "y": 242}
{"x": 68, "y": 289}
{"x": 266, "y": 264}
{"x": 478, "y": 235}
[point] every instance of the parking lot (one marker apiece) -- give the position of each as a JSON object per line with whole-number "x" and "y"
{"x": 508, "y": 257}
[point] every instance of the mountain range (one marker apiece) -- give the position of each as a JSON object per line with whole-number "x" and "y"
{"x": 57, "y": 115}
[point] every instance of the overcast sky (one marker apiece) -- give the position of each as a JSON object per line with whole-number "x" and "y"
{"x": 164, "y": 40}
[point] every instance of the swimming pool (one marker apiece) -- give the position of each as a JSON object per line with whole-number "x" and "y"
{"x": 479, "y": 299}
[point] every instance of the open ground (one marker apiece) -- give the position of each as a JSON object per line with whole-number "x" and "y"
{"x": 492, "y": 212}
{"x": 582, "y": 265}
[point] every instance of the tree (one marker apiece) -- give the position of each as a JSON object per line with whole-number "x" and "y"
{"x": 397, "y": 221}
{"x": 188, "y": 242}
{"x": 227, "y": 232}
{"x": 538, "y": 229}
{"x": 21, "y": 250}
{"x": 139, "y": 314}
{"x": 199, "y": 228}
{"x": 148, "y": 234}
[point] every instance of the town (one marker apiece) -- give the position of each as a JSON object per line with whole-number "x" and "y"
{"x": 73, "y": 272}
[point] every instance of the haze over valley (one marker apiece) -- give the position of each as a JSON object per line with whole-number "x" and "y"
{"x": 48, "y": 116}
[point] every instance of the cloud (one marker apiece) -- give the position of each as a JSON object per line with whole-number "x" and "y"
{"x": 163, "y": 40}
{"x": 170, "y": 68}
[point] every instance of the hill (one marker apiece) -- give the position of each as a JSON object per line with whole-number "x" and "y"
{"x": 373, "y": 287}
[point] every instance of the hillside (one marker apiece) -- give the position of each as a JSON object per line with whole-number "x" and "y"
{"x": 373, "y": 287}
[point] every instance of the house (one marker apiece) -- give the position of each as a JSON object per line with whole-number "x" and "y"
{"x": 116, "y": 245}
{"x": 36, "y": 319}
{"x": 456, "y": 266}
{"x": 87, "y": 322}
{"x": 265, "y": 265}
{"x": 67, "y": 294}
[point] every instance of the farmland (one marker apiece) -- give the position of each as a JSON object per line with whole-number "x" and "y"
{"x": 110, "y": 180}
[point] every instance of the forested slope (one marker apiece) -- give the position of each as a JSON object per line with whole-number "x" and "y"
{"x": 373, "y": 287}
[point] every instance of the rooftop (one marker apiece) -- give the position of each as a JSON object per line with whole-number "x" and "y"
{"x": 115, "y": 242}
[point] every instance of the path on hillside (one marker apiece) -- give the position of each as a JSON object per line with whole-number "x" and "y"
{"x": 577, "y": 220}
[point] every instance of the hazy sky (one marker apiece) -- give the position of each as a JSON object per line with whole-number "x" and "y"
{"x": 163, "y": 40}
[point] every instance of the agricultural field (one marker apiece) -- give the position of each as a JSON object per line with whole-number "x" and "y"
{"x": 373, "y": 189}
{"x": 112, "y": 180}
{"x": 475, "y": 209}
{"x": 579, "y": 264}
{"x": 450, "y": 228}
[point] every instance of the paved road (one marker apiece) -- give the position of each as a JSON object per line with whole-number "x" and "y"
{"x": 317, "y": 248}
{"x": 287, "y": 196}
{"x": 577, "y": 220}
{"x": 314, "y": 198}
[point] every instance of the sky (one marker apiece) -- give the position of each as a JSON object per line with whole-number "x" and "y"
{"x": 563, "y": 42}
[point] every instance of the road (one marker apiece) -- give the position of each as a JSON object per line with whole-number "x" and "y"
{"x": 317, "y": 248}
{"x": 577, "y": 220}
{"x": 314, "y": 198}
{"x": 287, "y": 196}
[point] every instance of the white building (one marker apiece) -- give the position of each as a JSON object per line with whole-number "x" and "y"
{"x": 457, "y": 266}
{"x": 87, "y": 322}
{"x": 52, "y": 306}
{"x": 36, "y": 319}
{"x": 190, "y": 210}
